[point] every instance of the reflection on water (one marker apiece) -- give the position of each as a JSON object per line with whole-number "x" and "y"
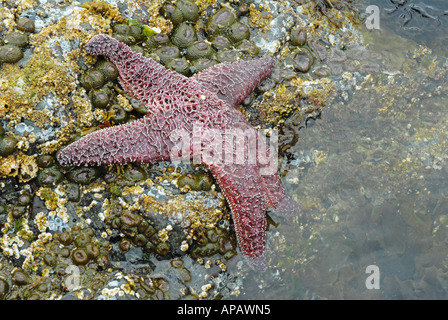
{"x": 373, "y": 181}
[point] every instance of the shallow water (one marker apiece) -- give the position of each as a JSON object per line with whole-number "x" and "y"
{"x": 422, "y": 21}
{"x": 372, "y": 179}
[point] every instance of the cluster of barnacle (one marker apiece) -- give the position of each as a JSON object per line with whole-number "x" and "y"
{"x": 48, "y": 175}
{"x": 12, "y": 44}
{"x": 13, "y": 162}
{"x": 73, "y": 258}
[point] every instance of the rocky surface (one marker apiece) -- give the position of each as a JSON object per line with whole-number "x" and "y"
{"x": 361, "y": 133}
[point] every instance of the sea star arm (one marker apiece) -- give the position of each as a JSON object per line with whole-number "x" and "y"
{"x": 234, "y": 81}
{"x": 241, "y": 187}
{"x": 131, "y": 142}
{"x": 143, "y": 78}
{"x": 277, "y": 201}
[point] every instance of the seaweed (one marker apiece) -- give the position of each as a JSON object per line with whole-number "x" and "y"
{"x": 335, "y": 11}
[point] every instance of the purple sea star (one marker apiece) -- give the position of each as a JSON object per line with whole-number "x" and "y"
{"x": 178, "y": 104}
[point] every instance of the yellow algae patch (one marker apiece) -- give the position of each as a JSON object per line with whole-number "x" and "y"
{"x": 9, "y": 166}
{"x": 192, "y": 214}
{"x": 132, "y": 190}
{"x": 7, "y": 19}
{"x": 28, "y": 167}
{"x": 25, "y": 4}
{"x": 157, "y": 20}
{"x": 331, "y": 15}
{"x": 63, "y": 136}
{"x": 124, "y": 103}
{"x": 260, "y": 18}
{"x": 19, "y": 164}
{"x": 278, "y": 104}
{"x": 322, "y": 93}
{"x": 22, "y": 89}
{"x": 104, "y": 9}
{"x": 283, "y": 101}
{"x": 428, "y": 151}
{"x": 395, "y": 98}
{"x": 83, "y": 108}
{"x": 47, "y": 76}
{"x": 319, "y": 156}
{"x": 71, "y": 28}
{"x": 204, "y": 4}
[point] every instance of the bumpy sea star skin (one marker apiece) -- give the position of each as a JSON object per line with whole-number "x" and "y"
{"x": 179, "y": 104}
{"x": 233, "y": 82}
